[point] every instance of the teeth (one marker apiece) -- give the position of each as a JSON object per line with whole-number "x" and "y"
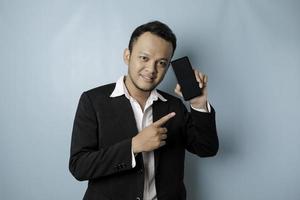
{"x": 146, "y": 77}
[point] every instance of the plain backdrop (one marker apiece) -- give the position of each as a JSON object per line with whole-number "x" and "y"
{"x": 53, "y": 50}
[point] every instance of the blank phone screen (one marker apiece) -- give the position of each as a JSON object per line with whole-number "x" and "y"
{"x": 186, "y": 78}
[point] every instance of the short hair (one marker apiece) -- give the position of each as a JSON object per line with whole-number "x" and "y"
{"x": 155, "y": 27}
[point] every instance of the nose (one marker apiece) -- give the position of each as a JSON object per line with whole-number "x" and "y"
{"x": 151, "y": 67}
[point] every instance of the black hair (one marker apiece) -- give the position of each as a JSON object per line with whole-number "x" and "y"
{"x": 155, "y": 27}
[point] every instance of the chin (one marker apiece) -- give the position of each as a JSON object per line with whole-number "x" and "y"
{"x": 147, "y": 88}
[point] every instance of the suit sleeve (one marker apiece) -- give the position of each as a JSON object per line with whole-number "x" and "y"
{"x": 200, "y": 132}
{"x": 87, "y": 160}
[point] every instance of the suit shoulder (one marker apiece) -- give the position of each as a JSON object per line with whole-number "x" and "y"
{"x": 101, "y": 91}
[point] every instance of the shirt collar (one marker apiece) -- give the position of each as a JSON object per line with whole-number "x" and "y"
{"x": 120, "y": 89}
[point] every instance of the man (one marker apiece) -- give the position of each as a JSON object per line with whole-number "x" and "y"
{"x": 129, "y": 139}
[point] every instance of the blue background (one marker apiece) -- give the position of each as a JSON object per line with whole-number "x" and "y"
{"x": 53, "y": 50}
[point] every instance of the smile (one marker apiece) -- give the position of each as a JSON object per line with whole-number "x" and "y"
{"x": 147, "y": 78}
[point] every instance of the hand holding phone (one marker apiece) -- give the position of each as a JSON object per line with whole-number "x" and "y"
{"x": 186, "y": 78}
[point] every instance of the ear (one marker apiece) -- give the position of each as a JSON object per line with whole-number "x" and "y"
{"x": 126, "y": 56}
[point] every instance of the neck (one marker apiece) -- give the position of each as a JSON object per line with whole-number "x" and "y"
{"x": 138, "y": 94}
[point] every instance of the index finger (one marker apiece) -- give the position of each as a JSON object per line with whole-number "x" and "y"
{"x": 164, "y": 119}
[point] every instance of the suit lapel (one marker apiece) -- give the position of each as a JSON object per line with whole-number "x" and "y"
{"x": 160, "y": 109}
{"x": 124, "y": 112}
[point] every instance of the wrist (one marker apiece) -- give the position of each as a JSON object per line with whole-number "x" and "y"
{"x": 199, "y": 106}
{"x": 135, "y": 146}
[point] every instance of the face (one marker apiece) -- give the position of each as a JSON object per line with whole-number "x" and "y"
{"x": 147, "y": 62}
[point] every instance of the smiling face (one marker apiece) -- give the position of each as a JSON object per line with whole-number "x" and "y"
{"x": 147, "y": 63}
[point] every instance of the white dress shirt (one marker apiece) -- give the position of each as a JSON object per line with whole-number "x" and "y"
{"x": 143, "y": 119}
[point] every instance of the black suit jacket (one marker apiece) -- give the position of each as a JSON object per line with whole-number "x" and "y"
{"x": 101, "y": 146}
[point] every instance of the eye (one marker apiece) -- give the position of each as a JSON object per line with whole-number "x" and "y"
{"x": 163, "y": 63}
{"x": 144, "y": 58}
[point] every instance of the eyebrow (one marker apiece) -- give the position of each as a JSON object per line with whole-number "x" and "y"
{"x": 147, "y": 54}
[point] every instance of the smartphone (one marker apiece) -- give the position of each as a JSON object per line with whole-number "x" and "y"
{"x": 186, "y": 78}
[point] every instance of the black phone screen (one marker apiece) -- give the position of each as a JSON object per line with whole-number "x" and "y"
{"x": 186, "y": 78}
